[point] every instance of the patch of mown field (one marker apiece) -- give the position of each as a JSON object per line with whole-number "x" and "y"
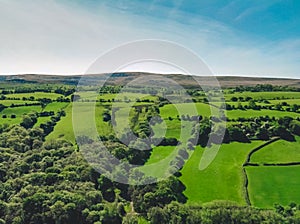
{"x": 15, "y": 102}
{"x": 56, "y": 106}
{"x": 233, "y": 114}
{"x": 173, "y": 128}
{"x": 36, "y": 95}
{"x": 172, "y": 110}
{"x": 159, "y": 153}
{"x": 84, "y": 120}
{"x": 264, "y": 95}
{"x": 19, "y": 112}
{"x": 276, "y": 184}
{"x": 271, "y": 102}
{"x": 281, "y": 151}
{"x": 289, "y": 101}
{"x": 159, "y": 161}
{"x": 41, "y": 120}
{"x": 161, "y": 156}
{"x": 222, "y": 179}
{"x": 247, "y": 103}
{"x": 127, "y": 96}
{"x": 64, "y": 128}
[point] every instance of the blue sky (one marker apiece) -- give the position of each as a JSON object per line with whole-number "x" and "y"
{"x": 242, "y": 37}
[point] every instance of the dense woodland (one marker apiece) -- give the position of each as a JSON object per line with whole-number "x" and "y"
{"x": 49, "y": 181}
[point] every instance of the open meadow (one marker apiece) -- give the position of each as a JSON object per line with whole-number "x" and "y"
{"x": 258, "y": 134}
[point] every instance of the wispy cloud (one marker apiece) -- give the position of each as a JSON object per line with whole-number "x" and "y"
{"x": 59, "y": 38}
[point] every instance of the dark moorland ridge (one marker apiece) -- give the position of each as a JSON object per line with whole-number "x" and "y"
{"x": 125, "y": 77}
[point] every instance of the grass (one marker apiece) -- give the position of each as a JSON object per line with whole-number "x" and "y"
{"x": 36, "y": 95}
{"x": 233, "y": 114}
{"x": 172, "y": 110}
{"x": 15, "y": 102}
{"x": 83, "y": 119}
{"x": 19, "y": 112}
{"x": 289, "y": 101}
{"x": 41, "y": 120}
{"x": 264, "y": 95}
{"x": 278, "y": 152}
{"x": 64, "y": 128}
{"x": 56, "y": 106}
{"x": 158, "y": 163}
{"x": 222, "y": 179}
{"x": 270, "y": 185}
{"x": 161, "y": 156}
{"x": 89, "y": 95}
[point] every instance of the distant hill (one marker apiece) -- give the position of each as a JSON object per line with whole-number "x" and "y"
{"x": 125, "y": 77}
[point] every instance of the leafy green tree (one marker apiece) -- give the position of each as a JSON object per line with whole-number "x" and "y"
{"x": 262, "y": 134}
{"x": 157, "y": 215}
{"x": 295, "y": 127}
{"x": 236, "y": 134}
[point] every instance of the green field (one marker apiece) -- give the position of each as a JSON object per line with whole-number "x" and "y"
{"x": 159, "y": 161}
{"x": 15, "y": 102}
{"x": 278, "y": 152}
{"x": 56, "y": 106}
{"x": 173, "y": 110}
{"x": 264, "y": 95}
{"x": 289, "y": 101}
{"x": 222, "y": 179}
{"x": 64, "y": 128}
{"x": 36, "y": 95}
{"x": 270, "y": 185}
{"x": 233, "y": 114}
{"x": 19, "y": 112}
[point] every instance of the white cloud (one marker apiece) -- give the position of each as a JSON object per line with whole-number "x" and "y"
{"x": 51, "y": 37}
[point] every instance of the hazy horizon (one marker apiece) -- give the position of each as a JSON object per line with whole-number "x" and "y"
{"x": 216, "y": 75}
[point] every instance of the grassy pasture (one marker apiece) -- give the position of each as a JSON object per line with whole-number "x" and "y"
{"x": 264, "y": 95}
{"x": 278, "y": 152}
{"x": 64, "y": 128}
{"x": 161, "y": 156}
{"x": 233, "y": 114}
{"x": 172, "y": 110}
{"x": 36, "y": 95}
{"x": 41, "y": 120}
{"x": 270, "y": 185}
{"x": 246, "y": 103}
{"x": 159, "y": 161}
{"x": 126, "y": 95}
{"x": 19, "y": 112}
{"x": 222, "y": 179}
{"x": 56, "y": 106}
{"x": 289, "y": 101}
{"x": 15, "y": 102}
{"x": 93, "y": 95}
{"x": 272, "y": 102}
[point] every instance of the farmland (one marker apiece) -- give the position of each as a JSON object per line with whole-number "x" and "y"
{"x": 270, "y": 185}
{"x": 258, "y": 135}
{"x": 278, "y": 152}
{"x": 222, "y": 180}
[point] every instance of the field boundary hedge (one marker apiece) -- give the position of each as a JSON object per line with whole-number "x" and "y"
{"x": 246, "y": 182}
{"x": 258, "y": 148}
{"x": 282, "y": 164}
{"x": 247, "y": 163}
